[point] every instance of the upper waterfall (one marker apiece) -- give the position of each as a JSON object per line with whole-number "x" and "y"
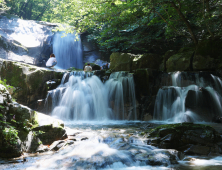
{"x": 68, "y": 50}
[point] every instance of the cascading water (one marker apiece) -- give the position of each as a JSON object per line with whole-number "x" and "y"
{"x": 85, "y": 97}
{"x": 122, "y": 93}
{"x": 193, "y": 97}
{"x": 68, "y": 50}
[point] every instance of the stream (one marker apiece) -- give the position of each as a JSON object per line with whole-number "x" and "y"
{"x": 110, "y": 145}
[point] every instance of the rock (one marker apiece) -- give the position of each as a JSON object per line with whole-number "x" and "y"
{"x": 151, "y": 61}
{"x": 8, "y": 150}
{"x": 208, "y": 55}
{"x": 166, "y": 56}
{"x": 53, "y": 129}
{"x": 202, "y": 104}
{"x": 73, "y": 138}
{"x": 197, "y": 150}
{"x": 22, "y": 112}
{"x": 31, "y": 143}
{"x": 28, "y": 80}
{"x": 57, "y": 145}
{"x": 187, "y": 137}
{"x": 217, "y": 119}
{"x": 70, "y": 142}
{"x": 42, "y": 148}
{"x": 84, "y": 139}
{"x": 181, "y": 60}
{"x": 129, "y": 62}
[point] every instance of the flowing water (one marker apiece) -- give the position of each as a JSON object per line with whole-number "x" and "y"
{"x": 85, "y": 97}
{"x": 192, "y": 97}
{"x": 68, "y": 50}
{"x": 110, "y": 145}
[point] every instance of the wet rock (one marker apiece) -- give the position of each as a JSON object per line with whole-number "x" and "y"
{"x": 51, "y": 134}
{"x": 70, "y": 142}
{"x": 73, "y": 138}
{"x": 201, "y": 103}
{"x": 42, "y": 148}
{"x": 84, "y": 139}
{"x": 55, "y": 146}
{"x": 188, "y": 138}
{"x": 197, "y": 150}
{"x": 217, "y": 119}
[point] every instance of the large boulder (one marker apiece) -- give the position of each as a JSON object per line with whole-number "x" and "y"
{"x": 208, "y": 55}
{"x": 181, "y": 61}
{"x": 187, "y": 137}
{"x": 29, "y": 81}
{"x": 166, "y": 56}
{"x": 53, "y": 129}
{"x": 129, "y": 62}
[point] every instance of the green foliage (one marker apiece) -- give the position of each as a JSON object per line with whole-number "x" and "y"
{"x": 3, "y": 82}
{"x": 3, "y": 6}
{"x": 31, "y": 9}
{"x": 130, "y": 25}
{"x": 137, "y": 24}
{"x": 10, "y": 135}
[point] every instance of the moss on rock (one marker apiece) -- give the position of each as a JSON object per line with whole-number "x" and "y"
{"x": 129, "y": 62}
{"x": 180, "y": 61}
{"x": 29, "y": 81}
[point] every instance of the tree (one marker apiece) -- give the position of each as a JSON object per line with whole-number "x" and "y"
{"x": 129, "y": 24}
{"x": 3, "y": 6}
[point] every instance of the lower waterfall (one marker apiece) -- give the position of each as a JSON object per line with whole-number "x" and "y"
{"x": 193, "y": 97}
{"x": 85, "y": 97}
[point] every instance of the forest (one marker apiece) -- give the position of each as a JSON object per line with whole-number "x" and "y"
{"x": 136, "y": 26}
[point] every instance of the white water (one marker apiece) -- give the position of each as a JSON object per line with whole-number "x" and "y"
{"x": 170, "y": 101}
{"x": 24, "y": 39}
{"x": 111, "y": 145}
{"x": 68, "y": 50}
{"x": 85, "y": 97}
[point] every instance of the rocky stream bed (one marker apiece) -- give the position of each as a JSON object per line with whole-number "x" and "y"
{"x": 119, "y": 145}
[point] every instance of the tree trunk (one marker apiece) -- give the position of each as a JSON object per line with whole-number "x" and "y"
{"x": 185, "y": 21}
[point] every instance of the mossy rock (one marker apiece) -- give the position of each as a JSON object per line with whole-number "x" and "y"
{"x": 121, "y": 61}
{"x": 129, "y": 62}
{"x": 183, "y": 136}
{"x": 151, "y": 61}
{"x": 180, "y": 61}
{"x": 29, "y": 81}
{"x": 166, "y": 56}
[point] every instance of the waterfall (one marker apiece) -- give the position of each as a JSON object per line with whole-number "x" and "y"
{"x": 68, "y": 50}
{"x": 84, "y": 97}
{"x": 122, "y": 95}
{"x": 192, "y": 97}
